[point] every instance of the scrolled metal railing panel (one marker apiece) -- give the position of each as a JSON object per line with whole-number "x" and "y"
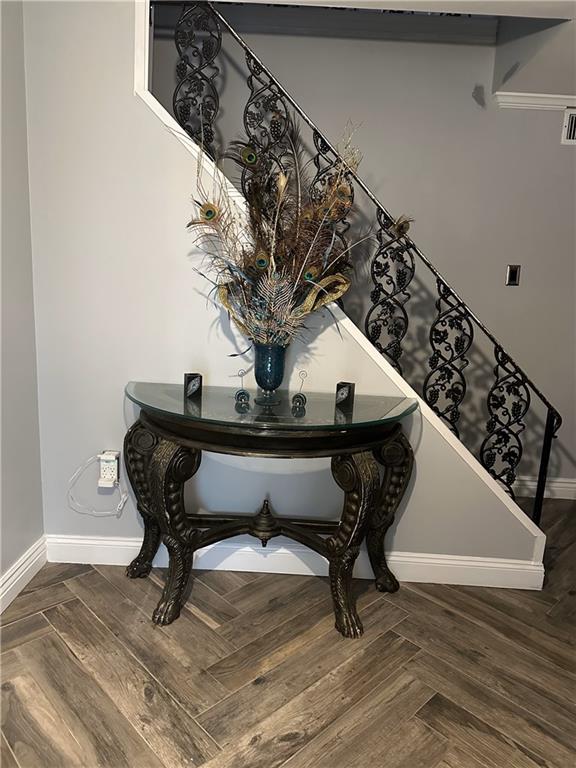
{"x": 196, "y": 101}
{"x": 451, "y": 335}
{"x": 327, "y": 164}
{"x": 392, "y": 269}
{"x": 266, "y": 120}
{"x": 451, "y": 332}
{"x": 508, "y": 403}
{"x": 266, "y": 114}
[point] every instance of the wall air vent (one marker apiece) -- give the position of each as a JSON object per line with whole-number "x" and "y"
{"x": 569, "y": 127}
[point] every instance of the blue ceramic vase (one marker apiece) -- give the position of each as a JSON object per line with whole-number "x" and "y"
{"x": 269, "y": 368}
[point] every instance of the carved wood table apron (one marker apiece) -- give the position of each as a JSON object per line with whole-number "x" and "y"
{"x": 163, "y": 450}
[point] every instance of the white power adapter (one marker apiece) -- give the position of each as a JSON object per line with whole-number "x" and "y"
{"x": 109, "y": 478}
{"x": 109, "y": 469}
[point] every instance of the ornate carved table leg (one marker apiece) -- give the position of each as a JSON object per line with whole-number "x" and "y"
{"x": 157, "y": 469}
{"x": 397, "y": 459}
{"x": 358, "y": 476}
{"x": 170, "y": 466}
{"x": 139, "y": 444}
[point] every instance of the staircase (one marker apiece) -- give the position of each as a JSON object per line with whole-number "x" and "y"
{"x": 406, "y": 308}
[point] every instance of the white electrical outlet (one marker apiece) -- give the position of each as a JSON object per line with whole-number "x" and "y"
{"x": 109, "y": 469}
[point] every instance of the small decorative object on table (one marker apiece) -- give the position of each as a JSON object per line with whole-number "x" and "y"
{"x": 299, "y": 399}
{"x": 344, "y": 402}
{"x": 345, "y": 395}
{"x": 289, "y": 258}
{"x": 193, "y": 394}
{"x": 193, "y": 385}
{"x": 242, "y": 396}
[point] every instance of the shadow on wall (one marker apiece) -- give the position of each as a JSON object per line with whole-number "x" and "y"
{"x": 526, "y": 38}
{"x": 479, "y": 371}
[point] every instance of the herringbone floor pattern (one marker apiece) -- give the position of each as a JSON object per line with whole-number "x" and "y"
{"x": 253, "y": 675}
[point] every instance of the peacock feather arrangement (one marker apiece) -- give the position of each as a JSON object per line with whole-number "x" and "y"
{"x": 288, "y": 257}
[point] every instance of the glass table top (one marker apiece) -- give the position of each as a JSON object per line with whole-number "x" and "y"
{"x": 218, "y": 405}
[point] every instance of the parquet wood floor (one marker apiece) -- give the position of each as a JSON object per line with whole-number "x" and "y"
{"x": 253, "y": 674}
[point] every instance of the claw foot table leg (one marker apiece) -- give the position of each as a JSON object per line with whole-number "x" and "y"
{"x": 180, "y": 565}
{"x": 141, "y": 566}
{"x": 397, "y": 459}
{"x": 157, "y": 469}
{"x": 139, "y": 445}
{"x": 357, "y": 475}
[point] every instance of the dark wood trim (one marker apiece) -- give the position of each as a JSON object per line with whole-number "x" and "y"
{"x": 240, "y": 440}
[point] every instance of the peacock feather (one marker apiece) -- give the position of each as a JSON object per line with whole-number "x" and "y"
{"x": 292, "y": 258}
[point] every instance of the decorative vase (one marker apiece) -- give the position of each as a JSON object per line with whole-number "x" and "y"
{"x": 269, "y": 371}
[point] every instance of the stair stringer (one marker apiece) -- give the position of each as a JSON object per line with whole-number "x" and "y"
{"x": 456, "y": 523}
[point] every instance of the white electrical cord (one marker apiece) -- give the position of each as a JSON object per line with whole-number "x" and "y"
{"x": 82, "y": 509}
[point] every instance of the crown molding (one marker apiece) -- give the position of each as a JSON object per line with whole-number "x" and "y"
{"x": 516, "y": 100}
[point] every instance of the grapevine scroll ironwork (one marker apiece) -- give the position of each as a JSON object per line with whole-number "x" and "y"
{"x": 266, "y": 117}
{"x": 508, "y": 403}
{"x": 266, "y": 120}
{"x": 451, "y": 335}
{"x": 328, "y": 165}
{"x": 392, "y": 270}
{"x": 198, "y": 39}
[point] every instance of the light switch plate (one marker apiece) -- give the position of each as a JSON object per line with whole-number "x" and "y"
{"x": 513, "y": 274}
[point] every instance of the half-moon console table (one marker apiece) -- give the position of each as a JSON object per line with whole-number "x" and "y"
{"x": 163, "y": 449}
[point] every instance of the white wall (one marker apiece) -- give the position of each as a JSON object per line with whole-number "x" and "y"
{"x": 487, "y": 187}
{"x": 536, "y": 56}
{"x": 116, "y": 299}
{"x": 22, "y": 522}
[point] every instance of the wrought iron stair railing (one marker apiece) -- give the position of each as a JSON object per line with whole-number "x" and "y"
{"x": 414, "y": 317}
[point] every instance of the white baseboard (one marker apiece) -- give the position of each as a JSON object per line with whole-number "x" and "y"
{"x": 24, "y": 569}
{"x": 556, "y": 487}
{"x": 297, "y": 559}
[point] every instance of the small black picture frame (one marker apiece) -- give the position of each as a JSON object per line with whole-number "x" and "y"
{"x": 345, "y": 395}
{"x": 344, "y": 402}
{"x": 192, "y": 386}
